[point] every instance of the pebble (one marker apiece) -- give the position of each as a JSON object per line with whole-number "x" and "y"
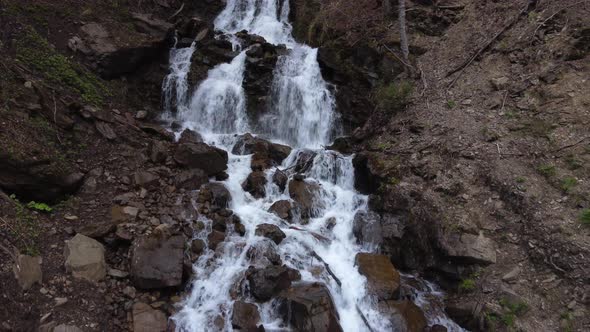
{"x": 512, "y": 275}
{"x": 70, "y": 217}
{"x": 59, "y": 301}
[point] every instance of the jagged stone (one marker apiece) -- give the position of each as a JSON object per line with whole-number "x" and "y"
{"x": 156, "y": 260}
{"x": 367, "y": 229}
{"x": 270, "y": 281}
{"x": 265, "y": 153}
{"x": 191, "y": 179}
{"x": 27, "y": 271}
{"x": 147, "y": 319}
{"x": 85, "y": 258}
{"x": 306, "y": 194}
{"x": 215, "y": 194}
{"x": 245, "y": 316}
{"x": 255, "y": 184}
{"x": 283, "y": 209}
{"x": 270, "y": 231}
{"x": 471, "y": 248}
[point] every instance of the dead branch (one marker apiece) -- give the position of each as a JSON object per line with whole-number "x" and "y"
{"x": 177, "y": 12}
{"x": 571, "y": 145}
{"x": 55, "y": 119}
{"x": 486, "y": 46}
{"x": 397, "y": 57}
{"x": 554, "y": 14}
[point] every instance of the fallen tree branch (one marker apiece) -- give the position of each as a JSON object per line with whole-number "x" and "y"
{"x": 397, "y": 57}
{"x": 554, "y": 14}
{"x": 177, "y": 12}
{"x": 487, "y": 45}
{"x": 571, "y": 145}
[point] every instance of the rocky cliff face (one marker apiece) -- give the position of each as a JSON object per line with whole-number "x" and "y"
{"x": 477, "y": 178}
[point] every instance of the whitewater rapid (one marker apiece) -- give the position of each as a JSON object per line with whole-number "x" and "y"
{"x": 301, "y": 114}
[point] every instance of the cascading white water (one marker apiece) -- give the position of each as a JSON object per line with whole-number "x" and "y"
{"x": 302, "y": 115}
{"x": 219, "y": 103}
{"x": 175, "y": 86}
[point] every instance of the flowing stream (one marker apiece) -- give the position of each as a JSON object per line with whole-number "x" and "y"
{"x": 301, "y": 115}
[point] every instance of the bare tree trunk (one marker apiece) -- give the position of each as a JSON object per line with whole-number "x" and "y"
{"x": 402, "y": 30}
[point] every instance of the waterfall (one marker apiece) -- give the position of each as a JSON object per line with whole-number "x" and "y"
{"x": 302, "y": 115}
{"x": 175, "y": 86}
{"x": 219, "y": 103}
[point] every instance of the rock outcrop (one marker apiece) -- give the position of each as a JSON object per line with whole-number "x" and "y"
{"x": 265, "y": 153}
{"x": 270, "y": 231}
{"x": 147, "y": 319}
{"x": 265, "y": 283}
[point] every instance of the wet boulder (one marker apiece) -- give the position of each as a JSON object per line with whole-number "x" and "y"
{"x": 367, "y": 228}
{"x": 306, "y": 195}
{"x": 403, "y": 315}
{"x": 245, "y": 316}
{"x": 156, "y": 260}
{"x": 304, "y": 160}
{"x": 264, "y": 253}
{"x": 215, "y": 195}
{"x": 215, "y": 238}
{"x": 383, "y": 279}
{"x": 210, "y": 159}
{"x": 280, "y": 178}
{"x": 282, "y": 209}
{"x": 270, "y": 231}
{"x": 265, "y": 153}
{"x": 309, "y": 307}
{"x": 265, "y": 283}
{"x": 255, "y": 184}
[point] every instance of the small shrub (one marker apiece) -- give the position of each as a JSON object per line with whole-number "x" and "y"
{"x": 467, "y": 285}
{"x": 451, "y": 104}
{"x": 393, "y": 97}
{"x": 585, "y": 217}
{"x": 573, "y": 163}
{"x": 39, "y": 206}
{"x": 25, "y": 229}
{"x": 520, "y": 179}
{"x": 568, "y": 184}
{"x": 547, "y": 170}
{"x": 513, "y": 310}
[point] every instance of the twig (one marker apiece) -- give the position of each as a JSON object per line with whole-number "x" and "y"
{"x": 504, "y": 101}
{"x": 553, "y": 15}
{"x": 571, "y": 145}
{"x": 397, "y": 57}
{"x": 498, "y": 146}
{"x": 55, "y": 118}
{"x": 177, "y": 12}
{"x": 482, "y": 49}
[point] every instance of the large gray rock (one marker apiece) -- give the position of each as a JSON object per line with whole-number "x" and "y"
{"x": 283, "y": 209}
{"x": 210, "y": 159}
{"x": 309, "y": 308}
{"x": 270, "y": 281}
{"x": 383, "y": 280}
{"x": 156, "y": 260}
{"x": 27, "y": 271}
{"x": 85, "y": 258}
{"x": 146, "y": 319}
{"x": 471, "y": 248}
{"x": 245, "y": 316}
